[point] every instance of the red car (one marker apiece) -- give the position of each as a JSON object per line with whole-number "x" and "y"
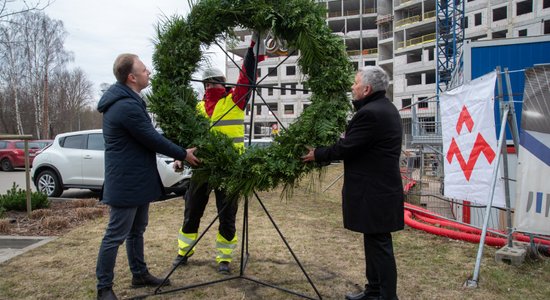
{"x": 12, "y": 153}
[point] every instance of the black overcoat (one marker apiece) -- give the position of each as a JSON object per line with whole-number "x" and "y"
{"x": 372, "y": 195}
{"x": 131, "y": 144}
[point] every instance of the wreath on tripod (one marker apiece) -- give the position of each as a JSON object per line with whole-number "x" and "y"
{"x": 178, "y": 52}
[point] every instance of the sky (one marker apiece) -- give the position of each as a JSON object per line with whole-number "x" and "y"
{"x": 99, "y": 30}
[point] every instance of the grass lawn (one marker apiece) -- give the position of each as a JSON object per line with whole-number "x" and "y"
{"x": 429, "y": 267}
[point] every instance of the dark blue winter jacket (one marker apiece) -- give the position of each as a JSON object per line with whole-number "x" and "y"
{"x": 131, "y": 144}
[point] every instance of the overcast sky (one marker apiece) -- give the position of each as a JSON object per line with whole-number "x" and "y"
{"x": 99, "y": 30}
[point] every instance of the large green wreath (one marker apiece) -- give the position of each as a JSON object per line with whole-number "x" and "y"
{"x": 179, "y": 49}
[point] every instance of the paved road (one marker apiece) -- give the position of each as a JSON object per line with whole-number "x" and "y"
{"x": 18, "y": 176}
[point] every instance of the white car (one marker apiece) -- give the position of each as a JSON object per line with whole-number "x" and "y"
{"x": 76, "y": 160}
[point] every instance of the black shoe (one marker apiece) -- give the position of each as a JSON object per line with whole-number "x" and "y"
{"x": 363, "y": 296}
{"x": 180, "y": 261}
{"x": 106, "y": 293}
{"x": 224, "y": 268}
{"x": 147, "y": 280}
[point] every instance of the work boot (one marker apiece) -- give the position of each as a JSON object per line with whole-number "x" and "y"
{"x": 106, "y": 293}
{"x": 147, "y": 279}
{"x": 364, "y": 295}
{"x": 180, "y": 260}
{"x": 223, "y": 268}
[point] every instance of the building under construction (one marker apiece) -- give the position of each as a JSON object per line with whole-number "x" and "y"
{"x": 418, "y": 42}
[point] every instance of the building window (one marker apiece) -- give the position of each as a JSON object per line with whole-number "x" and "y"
{"x": 427, "y": 125}
{"x": 413, "y": 79}
{"x": 293, "y": 88}
{"x": 289, "y": 109}
{"x": 406, "y": 103}
{"x": 305, "y": 89}
{"x": 272, "y": 71}
{"x": 431, "y": 54}
{"x": 477, "y": 19}
{"x": 290, "y": 70}
{"x": 273, "y": 109}
{"x": 422, "y": 104}
{"x": 270, "y": 91}
{"x": 247, "y": 110}
{"x": 499, "y": 13}
{"x": 430, "y": 78}
{"x": 283, "y": 89}
{"x": 522, "y": 32}
{"x": 500, "y": 34}
{"x": 259, "y": 72}
{"x": 465, "y": 23}
{"x": 258, "y": 109}
{"x": 355, "y": 65}
{"x": 546, "y": 4}
{"x": 305, "y": 106}
{"x": 524, "y": 7}
{"x": 370, "y": 63}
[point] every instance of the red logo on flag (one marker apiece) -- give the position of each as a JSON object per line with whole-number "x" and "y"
{"x": 480, "y": 146}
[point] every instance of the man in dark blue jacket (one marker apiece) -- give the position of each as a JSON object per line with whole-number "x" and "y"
{"x": 131, "y": 176}
{"x": 372, "y": 195}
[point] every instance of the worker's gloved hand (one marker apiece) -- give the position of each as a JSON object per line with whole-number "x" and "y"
{"x": 261, "y": 49}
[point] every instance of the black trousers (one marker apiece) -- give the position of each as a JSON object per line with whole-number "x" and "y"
{"x": 196, "y": 199}
{"x": 381, "y": 269}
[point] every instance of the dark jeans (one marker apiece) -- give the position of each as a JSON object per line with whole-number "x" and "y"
{"x": 125, "y": 223}
{"x": 195, "y": 204}
{"x": 381, "y": 269}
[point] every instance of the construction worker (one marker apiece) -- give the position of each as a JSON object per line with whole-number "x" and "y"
{"x": 224, "y": 107}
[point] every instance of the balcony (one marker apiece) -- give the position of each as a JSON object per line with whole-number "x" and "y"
{"x": 428, "y": 38}
{"x": 336, "y": 14}
{"x": 415, "y": 19}
{"x": 371, "y": 51}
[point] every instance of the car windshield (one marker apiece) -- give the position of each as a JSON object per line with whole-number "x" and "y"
{"x": 32, "y": 145}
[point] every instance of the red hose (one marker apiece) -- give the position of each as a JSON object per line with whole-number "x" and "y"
{"x": 465, "y": 233}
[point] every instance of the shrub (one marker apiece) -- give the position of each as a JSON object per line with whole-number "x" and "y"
{"x": 5, "y": 226}
{"x": 16, "y": 199}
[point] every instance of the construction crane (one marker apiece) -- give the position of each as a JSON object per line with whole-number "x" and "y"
{"x": 449, "y": 31}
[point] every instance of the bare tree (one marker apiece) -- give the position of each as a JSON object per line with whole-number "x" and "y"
{"x": 44, "y": 53}
{"x": 71, "y": 94}
{"x": 9, "y": 8}
{"x": 10, "y": 73}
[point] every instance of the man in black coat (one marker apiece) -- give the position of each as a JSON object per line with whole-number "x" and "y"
{"x": 131, "y": 176}
{"x": 372, "y": 195}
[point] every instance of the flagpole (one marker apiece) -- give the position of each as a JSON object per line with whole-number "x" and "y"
{"x": 473, "y": 282}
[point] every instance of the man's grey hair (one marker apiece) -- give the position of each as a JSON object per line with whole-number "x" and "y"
{"x": 375, "y": 77}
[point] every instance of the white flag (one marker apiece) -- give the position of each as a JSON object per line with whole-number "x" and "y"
{"x": 470, "y": 143}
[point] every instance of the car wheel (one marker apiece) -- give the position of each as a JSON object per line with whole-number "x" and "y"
{"x": 6, "y": 165}
{"x": 48, "y": 183}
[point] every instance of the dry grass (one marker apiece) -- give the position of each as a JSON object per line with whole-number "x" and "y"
{"x": 88, "y": 213}
{"x": 429, "y": 267}
{"x": 83, "y": 202}
{"x": 55, "y": 222}
{"x": 5, "y": 226}
{"x": 40, "y": 213}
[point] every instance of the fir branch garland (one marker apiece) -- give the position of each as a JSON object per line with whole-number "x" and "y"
{"x": 178, "y": 51}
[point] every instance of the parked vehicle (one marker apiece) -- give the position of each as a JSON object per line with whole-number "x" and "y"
{"x": 260, "y": 143}
{"x": 76, "y": 160}
{"x": 42, "y": 143}
{"x": 12, "y": 154}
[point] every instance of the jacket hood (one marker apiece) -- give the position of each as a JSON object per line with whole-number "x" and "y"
{"x": 115, "y": 92}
